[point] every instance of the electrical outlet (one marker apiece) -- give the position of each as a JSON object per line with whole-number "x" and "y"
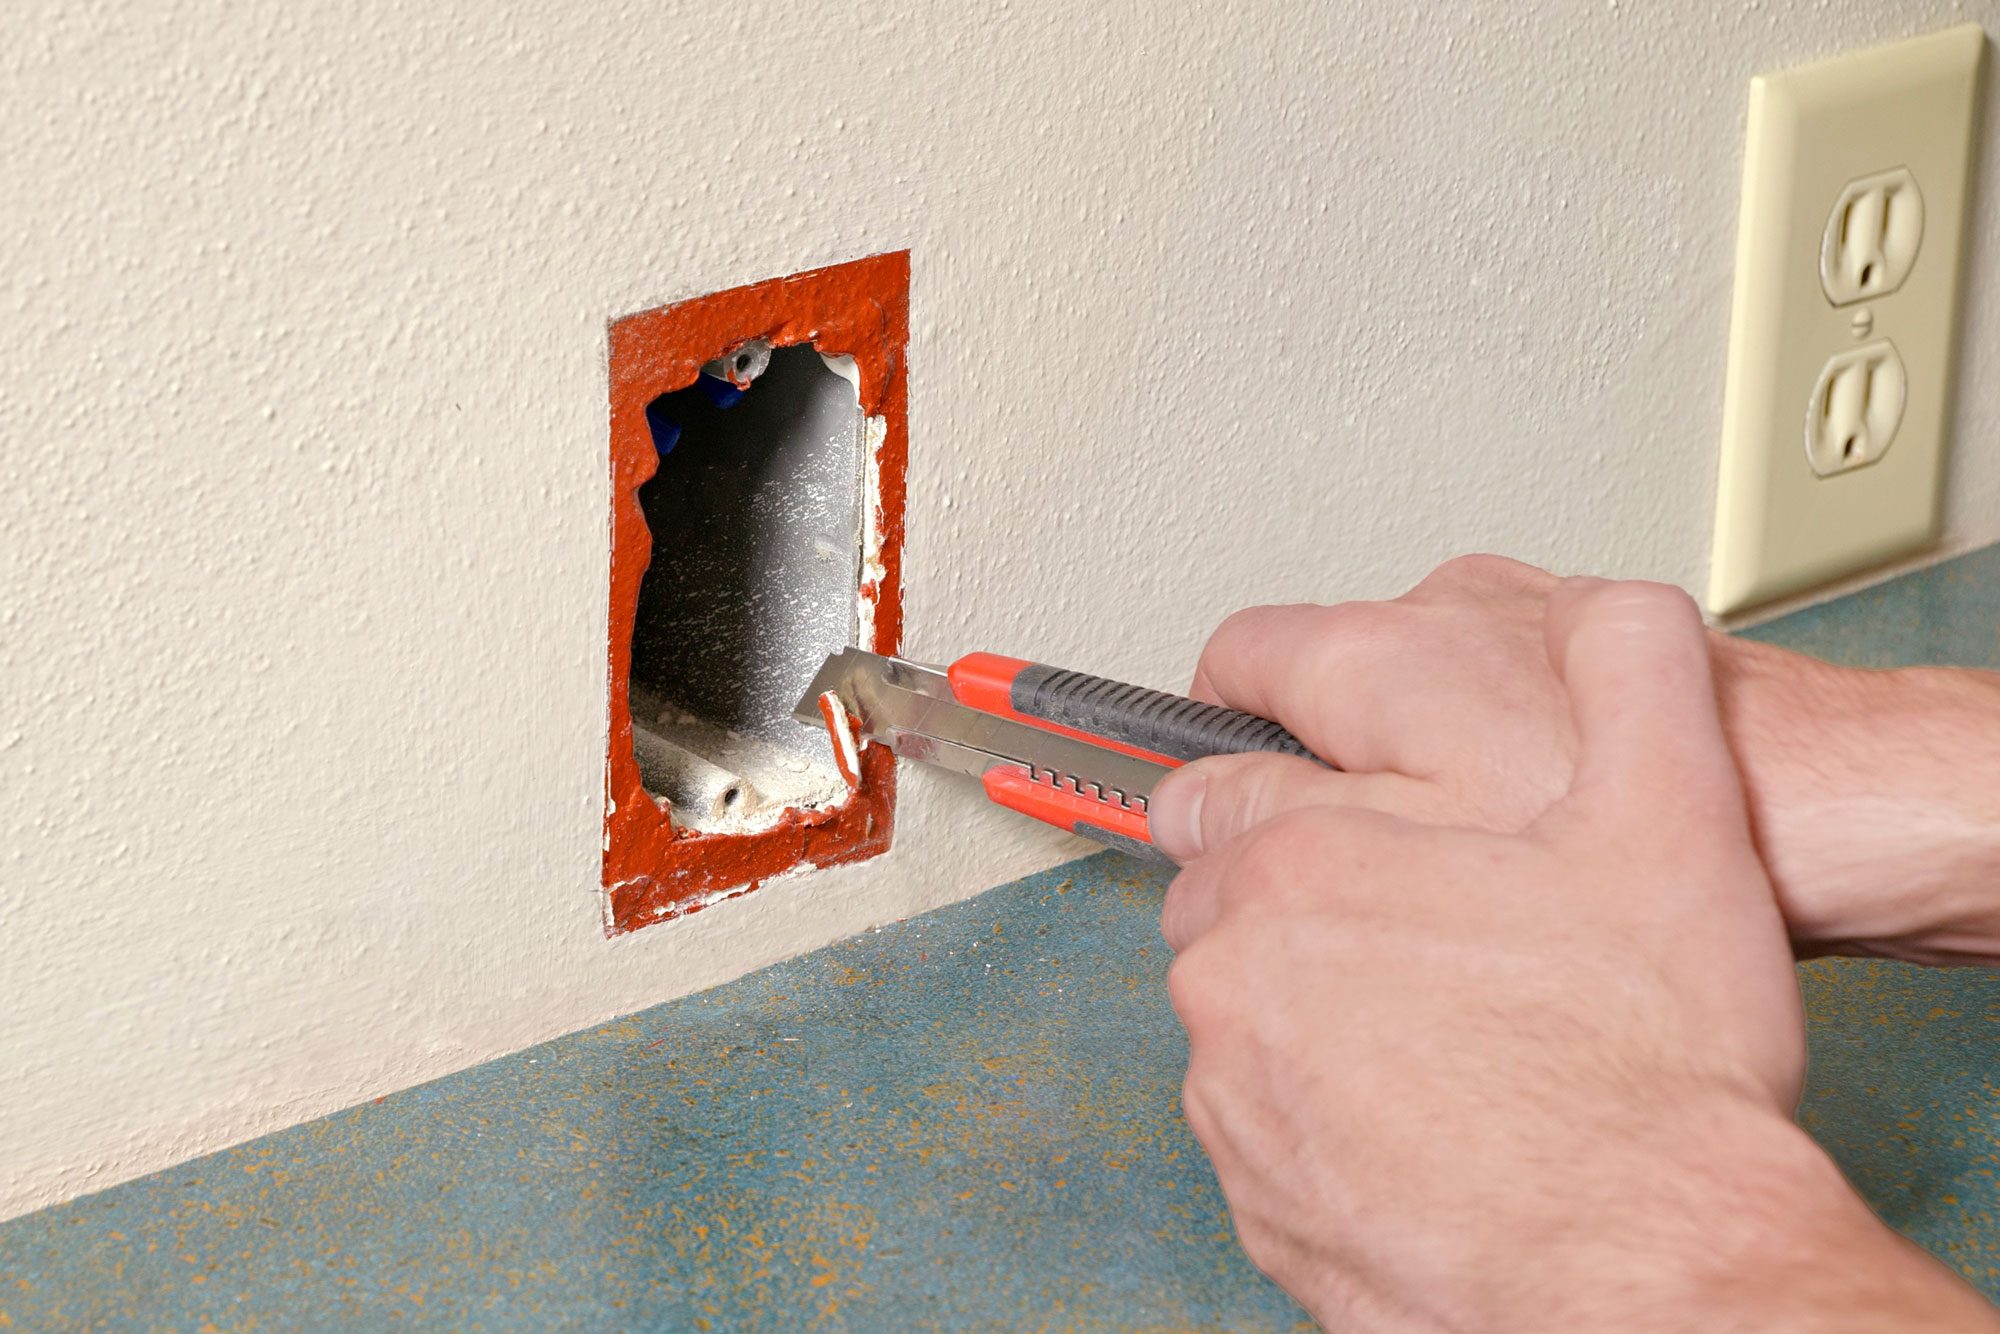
{"x": 1842, "y": 331}
{"x": 1872, "y": 237}
{"x": 1856, "y": 407}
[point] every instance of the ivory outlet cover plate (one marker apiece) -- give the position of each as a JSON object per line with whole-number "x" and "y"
{"x": 1817, "y": 135}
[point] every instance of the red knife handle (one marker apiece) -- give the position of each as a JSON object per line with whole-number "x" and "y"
{"x": 1105, "y": 821}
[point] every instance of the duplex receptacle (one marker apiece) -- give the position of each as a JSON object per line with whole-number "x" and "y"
{"x": 1856, "y": 408}
{"x": 1848, "y": 256}
{"x": 1872, "y": 237}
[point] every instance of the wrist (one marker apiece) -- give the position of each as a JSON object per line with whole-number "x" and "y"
{"x": 1749, "y": 1225}
{"x": 1875, "y": 797}
{"x": 1809, "y": 1255}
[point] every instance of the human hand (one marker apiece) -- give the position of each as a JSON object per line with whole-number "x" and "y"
{"x": 1874, "y": 796}
{"x": 1458, "y": 1079}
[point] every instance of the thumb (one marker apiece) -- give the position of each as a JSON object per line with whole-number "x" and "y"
{"x": 1200, "y": 806}
{"x": 1634, "y": 658}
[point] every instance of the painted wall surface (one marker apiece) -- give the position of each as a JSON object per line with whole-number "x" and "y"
{"x": 303, "y": 423}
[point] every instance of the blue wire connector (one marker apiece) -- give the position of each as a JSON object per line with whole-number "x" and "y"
{"x": 720, "y": 392}
{"x": 666, "y": 431}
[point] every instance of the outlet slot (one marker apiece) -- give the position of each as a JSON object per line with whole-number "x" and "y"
{"x": 756, "y": 520}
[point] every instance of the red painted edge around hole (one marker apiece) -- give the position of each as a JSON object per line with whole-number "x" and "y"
{"x": 653, "y": 872}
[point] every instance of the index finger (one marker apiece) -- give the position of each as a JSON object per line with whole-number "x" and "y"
{"x": 1283, "y": 853}
{"x": 1194, "y": 901}
{"x": 1236, "y": 664}
{"x": 1196, "y": 896}
{"x": 1306, "y": 666}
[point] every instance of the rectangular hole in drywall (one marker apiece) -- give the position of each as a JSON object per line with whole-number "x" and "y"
{"x": 756, "y": 522}
{"x": 749, "y": 539}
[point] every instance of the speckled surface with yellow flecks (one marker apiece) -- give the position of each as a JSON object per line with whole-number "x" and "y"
{"x": 968, "y": 1120}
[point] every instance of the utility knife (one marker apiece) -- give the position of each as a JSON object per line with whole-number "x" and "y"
{"x": 1080, "y": 752}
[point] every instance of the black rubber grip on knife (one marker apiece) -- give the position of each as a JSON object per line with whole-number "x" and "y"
{"x": 1170, "y": 725}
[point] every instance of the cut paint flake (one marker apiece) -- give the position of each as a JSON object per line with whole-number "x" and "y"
{"x": 840, "y": 731}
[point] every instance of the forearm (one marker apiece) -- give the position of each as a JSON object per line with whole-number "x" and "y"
{"x": 1752, "y": 1227}
{"x": 1875, "y": 797}
{"x": 1821, "y": 1262}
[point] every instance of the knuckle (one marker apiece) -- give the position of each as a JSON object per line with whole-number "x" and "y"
{"x": 1295, "y": 832}
{"x": 1641, "y": 604}
{"x": 1346, "y": 621}
{"x": 1194, "y": 1106}
{"x": 1264, "y": 1248}
{"x": 1278, "y": 851}
{"x": 1243, "y": 791}
{"x": 1350, "y": 640}
{"x": 1241, "y": 618}
{"x": 1482, "y": 572}
{"x": 1188, "y": 990}
{"x": 1179, "y": 922}
{"x": 1463, "y": 572}
{"x": 1471, "y": 566}
{"x": 1227, "y": 654}
{"x": 1266, "y": 793}
{"x": 1236, "y": 628}
{"x": 1265, "y": 852}
{"x": 1484, "y": 567}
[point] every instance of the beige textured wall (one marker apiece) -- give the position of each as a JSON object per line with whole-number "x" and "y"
{"x": 302, "y": 440}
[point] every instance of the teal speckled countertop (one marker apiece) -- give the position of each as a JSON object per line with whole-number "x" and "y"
{"x": 969, "y": 1120}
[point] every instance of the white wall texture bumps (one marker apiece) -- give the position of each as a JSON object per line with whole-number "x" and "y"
{"x": 302, "y": 440}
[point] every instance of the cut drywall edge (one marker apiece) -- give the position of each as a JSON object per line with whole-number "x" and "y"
{"x": 856, "y": 316}
{"x": 875, "y": 430}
